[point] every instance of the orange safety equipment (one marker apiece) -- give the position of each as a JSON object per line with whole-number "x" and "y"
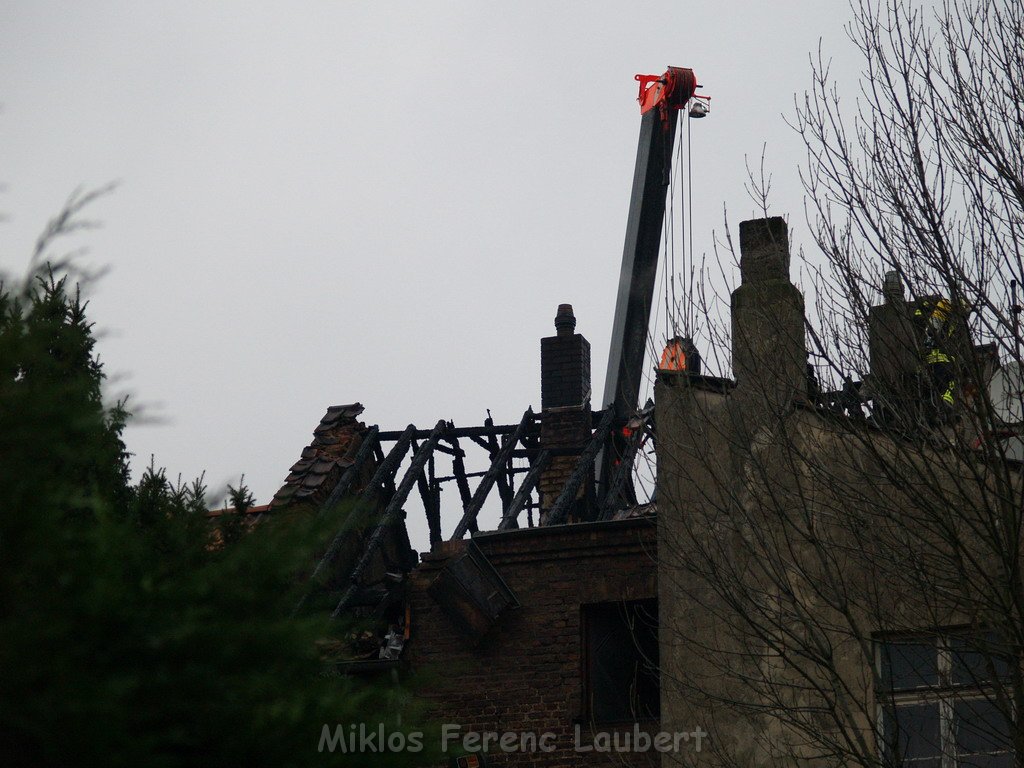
{"x": 673, "y": 358}
{"x": 680, "y": 355}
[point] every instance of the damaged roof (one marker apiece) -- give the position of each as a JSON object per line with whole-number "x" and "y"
{"x": 253, "y": 511}
{"x": 335, "y": 442}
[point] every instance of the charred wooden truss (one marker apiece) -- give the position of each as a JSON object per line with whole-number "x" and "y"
{"x": 395, "y": 462}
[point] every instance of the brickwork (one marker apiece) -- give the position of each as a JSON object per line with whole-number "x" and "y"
{"x": 566, "y": 430}
{"x": 565, "y": 371}
{"x": 526, "y": 674}
{"x": 565, "y": 404}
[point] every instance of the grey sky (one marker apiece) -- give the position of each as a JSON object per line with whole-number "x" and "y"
{"x": 323, "y": 202}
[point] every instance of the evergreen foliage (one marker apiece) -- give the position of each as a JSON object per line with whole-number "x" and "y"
{"x": 128, "y": 636}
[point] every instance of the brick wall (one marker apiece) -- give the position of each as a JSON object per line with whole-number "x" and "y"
{"x": 568, "y": 430}
{"x": 526, "y": 673}
{"x": 565, "y": 371}
{"x": 565, "y": 407}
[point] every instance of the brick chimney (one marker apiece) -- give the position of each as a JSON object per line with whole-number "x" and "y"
{"x": 769, "y": 353}
{"x": 565, "y": 405}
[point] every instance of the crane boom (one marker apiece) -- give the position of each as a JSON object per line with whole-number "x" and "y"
{"x": 660, "y": 97}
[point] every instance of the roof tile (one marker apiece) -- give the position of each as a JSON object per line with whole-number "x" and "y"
{"x": 335, "y": 441}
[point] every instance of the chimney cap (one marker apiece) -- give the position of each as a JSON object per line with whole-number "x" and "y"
{"x": 892, "y": 287}
{"x": 565, "y": 320}
{"x": 764, "y": 250}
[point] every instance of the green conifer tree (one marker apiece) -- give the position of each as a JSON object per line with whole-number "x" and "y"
{"x": 126, "y": 639}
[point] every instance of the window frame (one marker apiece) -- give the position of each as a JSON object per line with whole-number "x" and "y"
{"x": 945, "y": 694}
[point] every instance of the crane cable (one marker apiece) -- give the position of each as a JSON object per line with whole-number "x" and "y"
{"x": 675, "y": 268}
{"x": 669, "y": 234}
{"x": 684, "y": 187}
{"x": 666, "y": 270}
{"x": 679, "y": 315}
{"x": 686, "y": 306}
{"x": 672, "y": 272}
{"x": 689, "y": 261}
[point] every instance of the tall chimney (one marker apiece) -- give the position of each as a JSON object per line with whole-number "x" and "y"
{"x": 565, "y": 407}
{"x": 893, "y": 349}
{"x": 769, "y": 354}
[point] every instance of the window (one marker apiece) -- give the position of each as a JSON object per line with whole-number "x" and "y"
{"x": 938, "y": 702}
{"x": 620, "y": 661}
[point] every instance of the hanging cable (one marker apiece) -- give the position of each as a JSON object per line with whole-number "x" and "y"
{"x": 673, "y": 264}
{"x": 689, "y": 174}
{"x": 671, "y": 223}
{"x": 670, "y": 249}
{"x": 666, "y": 273}
{"x": 681, "y": 275}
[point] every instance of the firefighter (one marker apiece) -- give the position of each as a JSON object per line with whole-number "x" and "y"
{"x": 939, "y": 331}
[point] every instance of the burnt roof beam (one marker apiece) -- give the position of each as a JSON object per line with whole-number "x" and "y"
{"x": 385, "y": 470}
{"x": 459, "y": 473}
{"x": 502, "y": 478}
{"x": 617, "y": 496}
{"x": 430, "y": 495}
{"x": 557, "y": 514}
{"x": 497, "y": 468}
{"x": 453, "y": 431}
{"x": 370, "y": 441}
{"x": 619, "y": 493}
{"x": 391, "y": 513}
{"x": 511, "y": 517}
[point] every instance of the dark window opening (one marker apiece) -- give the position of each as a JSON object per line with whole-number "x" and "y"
{"x": 939, "y": 708}
{"x": 908, "y": 664}
{"x": 620, "y": 652}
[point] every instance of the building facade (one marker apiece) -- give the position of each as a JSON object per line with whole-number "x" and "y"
{"x": 835, "y": 570}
